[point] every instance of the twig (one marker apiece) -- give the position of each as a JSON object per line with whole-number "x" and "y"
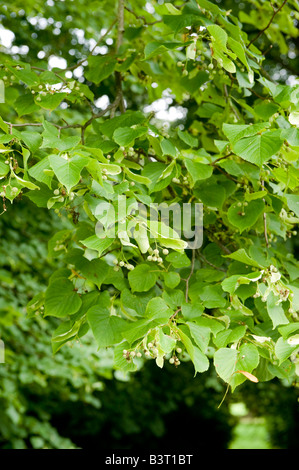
{"x": 222, "y": 158}
{"x": 175, "y": 313}
{"x": 210, "y": 264}
{"x": 266, "y": 27}
{"x": 214, "y": 239}
{"x": 142, "y": 17}
{"x": 223, "y": 172}
{"x": 24, "y": 124}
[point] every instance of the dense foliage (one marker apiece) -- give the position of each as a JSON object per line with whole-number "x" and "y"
{"x": 75, "y": 393}
{"x": 31, "y": 375}
{"x": 233, "y": 147}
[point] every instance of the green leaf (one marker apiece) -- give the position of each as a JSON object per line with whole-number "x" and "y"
{"x": 287, "y": 330}
{"x": 68, "y": 169}
{"x": 140, "y": 235}
{"x": 49, "y": 101}
{"x": 126, "y": 136}
{"x": 293, "y": 202}
{"x": 153, "y": 171}
{"x": 38, "y": 172}
{"x": 178, "y": 260}
{"x": 168, "y": 148}
{"x": 258, "y": 149}
{"x": 230, "y": 284}
{"x": 129, "y": 118}
{"x": 61, "y": 299}
{"x": 225, "y": 360}
{"x": 294, "y": 118}
{"x": 166, "y": 342}
{"x": 94, "y": 271}
{"x": 172, "y": 279}
{"x": 26, "y": 75}
{"x": 248, "y": 359}
{"x": 178, "y": 22}
{"x": 120, "y": 362}
{"x": 98, "y": 244}
{"x": 174, "y": 244}
{"x": 156, "y": 313}
{"x": 212, "y": 195}
{"x": 107, "y": 329}
{"x": 25, "y": 183}
{"x": 198, "y": 171}
{"x": 143, "y": 278}
{"x": 219, "y": 50}
{"x": 157, "y": 308}
{"x": 51, "y": 139}
{"x": 245, "y": 217}
{"x": 100, "y": 67}
{"x": 235, "y": 132}
{"x": 188, "y": 138}
{"x": 61, "y": 238}
{"x": 212, "y": 297}
{"x": 155, "y": 48}
{"x": 200, "y": 334}
{"x": 192, "y": 311}
{"x": 242, "y": 256}
{"x": 283, "y": 350}
{"x": 138, "y": 178}
{"x": 4, "y": 169}
{"x": 134, "y": 304}
{"x": 25, "y": 104}
{"x": 199, "y": 359}
{"x": 33, "y": 140}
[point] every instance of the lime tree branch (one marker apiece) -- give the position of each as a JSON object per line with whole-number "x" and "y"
{"x": 119, "y": 41}
{"x": 268, "y": 25}
{"x": 69, "y": 126}
{"x": 142, "y": 18}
